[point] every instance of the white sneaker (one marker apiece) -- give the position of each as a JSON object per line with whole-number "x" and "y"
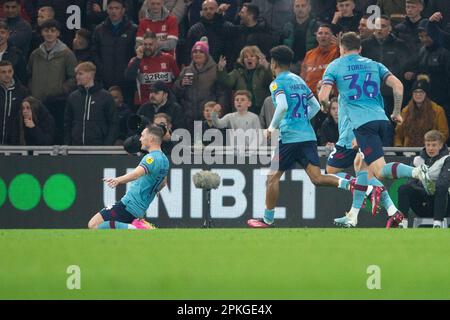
{"x": 346, "y": 221}
{"x": 424, "y": 177}
{"x": 437, "y": 224}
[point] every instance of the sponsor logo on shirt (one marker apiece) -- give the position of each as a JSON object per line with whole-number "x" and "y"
{"x": 148, "y": 78}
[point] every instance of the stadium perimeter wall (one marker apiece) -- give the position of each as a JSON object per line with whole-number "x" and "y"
{"x": 65, "y": 191}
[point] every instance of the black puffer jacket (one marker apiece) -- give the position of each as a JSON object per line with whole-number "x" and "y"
{"x": 10, "y": 101}
{"x": 90, "y": 117}
{"x": 114, "y": 48}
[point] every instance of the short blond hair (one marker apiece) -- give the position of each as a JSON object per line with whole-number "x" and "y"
{"x": 86, "y": 67}
{"x": 253, "y": 50}
{"x": 434, "y": 135}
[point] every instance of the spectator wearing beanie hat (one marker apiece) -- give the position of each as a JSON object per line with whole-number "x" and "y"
{"x": 197, "y": 84}
{"x": 420, "y": 116}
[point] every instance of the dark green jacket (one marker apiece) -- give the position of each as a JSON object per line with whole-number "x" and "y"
{"x": 258, "y": 84}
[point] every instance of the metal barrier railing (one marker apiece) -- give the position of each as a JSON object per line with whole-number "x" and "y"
{"x": 65, "y": 150}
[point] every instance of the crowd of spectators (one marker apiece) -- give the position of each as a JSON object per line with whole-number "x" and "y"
{"x": 73, "y": 72}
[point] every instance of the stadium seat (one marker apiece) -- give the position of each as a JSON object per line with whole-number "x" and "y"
{"x": 427, "y": 221}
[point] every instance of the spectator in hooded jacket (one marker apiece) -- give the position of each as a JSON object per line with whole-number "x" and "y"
{"x": 36, "y": 124}
{"x": 91, "y": 113}
{"x": 197, "y": 84}
{"x": 11, "y": 95}
{"x": 20, "y": 30}
{"x": 51, "y": 73}
{"x": 114, "y": 44}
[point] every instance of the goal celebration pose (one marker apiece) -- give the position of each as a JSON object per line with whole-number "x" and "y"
{"x": 149, "y": 177}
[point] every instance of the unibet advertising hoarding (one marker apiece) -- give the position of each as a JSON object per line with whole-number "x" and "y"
{"x": 66, "y": 191}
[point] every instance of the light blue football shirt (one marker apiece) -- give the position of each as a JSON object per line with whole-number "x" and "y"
{"x": 143, "y": 190}
{"x": 345, "y": 127}
{"x": 358, "y": 81}
{"x": 295, "y": 126}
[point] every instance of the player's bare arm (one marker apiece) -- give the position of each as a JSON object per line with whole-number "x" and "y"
{"x": 397, "y": 88}
{"x": 324, "y": 97}
{"x": 135, "y": 174}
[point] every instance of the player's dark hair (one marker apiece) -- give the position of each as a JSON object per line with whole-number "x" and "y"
{"x": 351, "y": 41}
{"x": 283, "y": 55}
{"x": 157, "y": 131}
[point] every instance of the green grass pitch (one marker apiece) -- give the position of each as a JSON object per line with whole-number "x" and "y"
{"x": 225, "y": 264}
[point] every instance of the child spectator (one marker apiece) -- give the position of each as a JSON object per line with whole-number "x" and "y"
{"x": 208, "y": 109}
{"x": 242, "y": 118}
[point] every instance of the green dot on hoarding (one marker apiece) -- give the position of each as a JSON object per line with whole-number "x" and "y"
{"x": 2, "y": 192}
{"x": 59, "y": 192}
{"x": 24, "y": 192}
